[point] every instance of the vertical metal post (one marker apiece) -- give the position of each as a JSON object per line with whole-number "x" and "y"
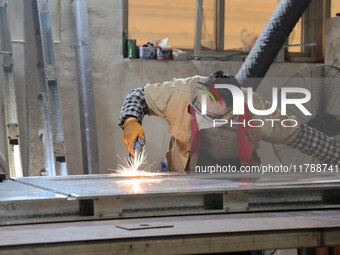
{"x": 85, "y": 88}
{"x": 51, "y": 79}
{"x": 37, "y": 73}
{"x": 198, "y": 28}
{"x": 125, "y": 8}
{"x": 328, "y": 7}
{"x": 220, "y": 12}
{"x": 10, "y": 103}
{"x": 313, "y": 29}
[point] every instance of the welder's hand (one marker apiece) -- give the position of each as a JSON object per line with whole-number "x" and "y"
{"x": 132, "y": 130}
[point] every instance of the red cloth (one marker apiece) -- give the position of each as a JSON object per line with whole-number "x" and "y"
{"x": 196, "y": 134}
{"x": 244, "y": 147}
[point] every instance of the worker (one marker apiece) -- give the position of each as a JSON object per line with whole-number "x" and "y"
{"x": 194, "y": 140}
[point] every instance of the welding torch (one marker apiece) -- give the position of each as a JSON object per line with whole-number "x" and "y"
{"x": 138, "y": 147}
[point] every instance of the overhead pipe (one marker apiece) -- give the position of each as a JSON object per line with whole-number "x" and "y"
{"x": 270, "y": 41}
{"x": 85, "y": 89}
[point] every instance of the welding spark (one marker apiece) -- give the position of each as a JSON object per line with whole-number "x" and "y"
{"x": 132, "y": 166}
{"x": 137, "y": 186}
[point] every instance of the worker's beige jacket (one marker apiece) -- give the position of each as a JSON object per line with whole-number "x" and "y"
{"x": 170, "y": 100}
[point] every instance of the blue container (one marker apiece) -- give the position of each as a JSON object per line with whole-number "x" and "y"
{"x": 164, "y": 167}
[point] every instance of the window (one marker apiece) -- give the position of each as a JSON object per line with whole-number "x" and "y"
{"x": 245, "y": 19}
{"x": 155, "y": 19}
{"x": 335, "y": 7}
{"x": 312, "y": 34}
{"x": 227, "y": 26}
{"x": 295, "y": 38}
{"x": 208, "y": 38}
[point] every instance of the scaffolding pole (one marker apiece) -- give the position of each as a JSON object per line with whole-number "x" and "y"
{"x": 85, "y": 88}
{"x": 14, "y": 163}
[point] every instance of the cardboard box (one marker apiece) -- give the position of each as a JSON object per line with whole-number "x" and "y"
{"x": 164, "y": 53}
{"x": 147, "y": 52}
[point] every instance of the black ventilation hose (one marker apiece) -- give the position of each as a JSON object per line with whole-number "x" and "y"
{"x": 270, "y": 41}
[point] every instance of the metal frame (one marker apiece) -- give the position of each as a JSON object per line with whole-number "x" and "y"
{"x": 178, "y": 235}
{"x": 41, "y": 82}
{"x": 98, "y": 220}
{"x": 192, "y": 236}
{"x": 33, "y": 26}
{"x": 51, "y": 79}
{"x": 9, "y": 94}
{"x": 164, "y": 195}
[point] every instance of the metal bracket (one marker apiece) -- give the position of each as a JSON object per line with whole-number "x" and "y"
{"x": 59, "y": 149}
{"x": 51, "y": 72}
{"x": 7, "y": 60}
{"x": 12, "y": 131}
{"x": 107, "y": 207}
{"x": 235, "y": 201}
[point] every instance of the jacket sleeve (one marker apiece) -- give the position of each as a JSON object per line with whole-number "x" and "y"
{"x": 318, "y": 145}
{"x": 134, "y": 106}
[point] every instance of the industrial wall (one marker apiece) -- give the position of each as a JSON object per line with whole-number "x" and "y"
{"x": 113, "y": 78}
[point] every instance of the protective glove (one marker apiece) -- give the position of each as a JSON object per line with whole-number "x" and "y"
{"x": 132, "y": 131}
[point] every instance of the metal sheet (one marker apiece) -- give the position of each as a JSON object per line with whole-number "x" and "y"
{"x": 110, "y": 185}
{"x": 111, "y": 196}
{"x": 22, "y": 204}
{"x": 14, "y": 191}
